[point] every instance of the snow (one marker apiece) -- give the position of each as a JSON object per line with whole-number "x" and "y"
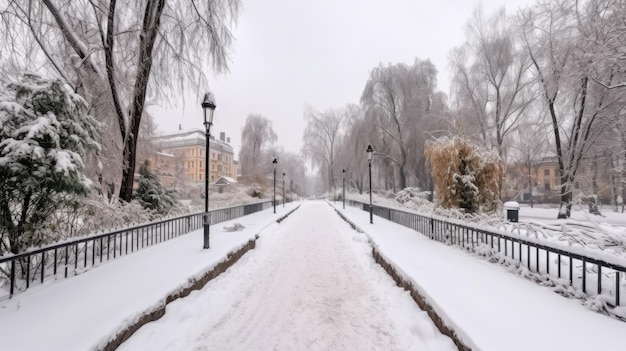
{"x": 84, "y": 312}
{"x": 309, "y": 284}
{"x": 490, "y": 308}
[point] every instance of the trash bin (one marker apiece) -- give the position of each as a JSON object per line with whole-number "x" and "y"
{"x": 511, "y": 210}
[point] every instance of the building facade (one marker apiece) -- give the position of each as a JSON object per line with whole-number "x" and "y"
{"x": 187, "y": 149}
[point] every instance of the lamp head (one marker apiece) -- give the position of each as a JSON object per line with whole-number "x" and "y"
{"x": 370, "y": 151}
{"x": 208, "y": 105}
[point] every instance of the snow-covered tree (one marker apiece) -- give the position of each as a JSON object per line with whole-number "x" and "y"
{"x": 491, "y": 83}
{"x": 465, "y": 175}
{"x": 322, "y": 135}
{"x": 256, "y": 135}
{"x": 152, "y": 194}
{"x": 45, "y": 131}
{"x": 564, "y": 70}
{"x": 120, "y": 55}
{"x": 403, "y": 101}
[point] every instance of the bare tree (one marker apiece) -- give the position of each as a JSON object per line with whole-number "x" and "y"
{"x": 491, "y": 81}
{"x": 121, "y": 53}
{"x": 399, "y": 97}
{"x": 322, "y": 136}
{"x": 256, "y": 135}
{"x": 552, "y": 35}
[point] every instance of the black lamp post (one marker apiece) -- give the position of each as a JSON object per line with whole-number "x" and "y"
{"x": 275, "y": 162}
{"x": 343, "y": 195}
{"x": 370, "y": 151}
{"x": 283, "y": 189}
{"x": 208, "y": 106}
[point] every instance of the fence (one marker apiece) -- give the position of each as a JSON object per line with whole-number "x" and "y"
{"x": 590, "y": 275}
{"x": 20, "y": 272}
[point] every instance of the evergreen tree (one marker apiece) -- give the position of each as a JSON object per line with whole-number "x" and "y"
{"x": 152, "y": 195}
{"x": 45, "y": 130}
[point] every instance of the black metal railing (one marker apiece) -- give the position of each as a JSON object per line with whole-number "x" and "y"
{"x": 20, "y": 272}
{"x": 592, "y": 276}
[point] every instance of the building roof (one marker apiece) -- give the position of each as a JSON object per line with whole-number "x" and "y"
{"x": 190, "y": 137}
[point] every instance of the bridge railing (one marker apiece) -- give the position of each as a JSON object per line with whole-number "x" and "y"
{"x": 57, "y": 261}
{"x": 582, "y": 272}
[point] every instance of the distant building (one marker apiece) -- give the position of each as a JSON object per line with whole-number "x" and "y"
{"x": 546, "y": 182}
{"x": 187, "y": 151}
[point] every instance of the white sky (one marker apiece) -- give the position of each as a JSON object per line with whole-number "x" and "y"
{"x": 290, "y": 53}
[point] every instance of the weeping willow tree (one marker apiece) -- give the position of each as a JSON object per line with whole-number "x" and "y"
{"x": 466, "y": 176}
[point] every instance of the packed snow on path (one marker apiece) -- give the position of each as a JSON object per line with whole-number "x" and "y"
{"x": 311, "y": 283}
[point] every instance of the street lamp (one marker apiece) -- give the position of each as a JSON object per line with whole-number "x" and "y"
{"x": 283, "y": 189}
{"x": 208, "y": 106}
{"x": 370, "y": 151}
{"x": 275, "y": 162}
{"x": 343, "y": 196}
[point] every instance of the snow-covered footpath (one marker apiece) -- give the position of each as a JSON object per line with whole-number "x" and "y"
{"x": 310, "y": 284}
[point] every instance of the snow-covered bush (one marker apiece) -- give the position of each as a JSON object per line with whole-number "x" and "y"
{"x": 256, "y": 191}
{"x": 465, "y": 175}
{"x": 411, "y": 194}
{"x": 152, "y": 195}
{"x": 45, "y": 130}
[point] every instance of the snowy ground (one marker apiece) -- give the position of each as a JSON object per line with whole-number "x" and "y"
{"x": 311, "y": 284}
{"x": 84, "y": 312}
{"x": 489, "y": 307}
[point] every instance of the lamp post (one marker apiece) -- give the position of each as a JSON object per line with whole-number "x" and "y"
{"x": 283, "y": 189}
{"x": 208, "y": 106}
{"x": 370, "y": 151}
{"x": 343, "y": 195}
{"x": 275, "y": 162}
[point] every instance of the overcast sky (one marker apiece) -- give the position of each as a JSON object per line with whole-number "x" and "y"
{"x": 290, "y": 53}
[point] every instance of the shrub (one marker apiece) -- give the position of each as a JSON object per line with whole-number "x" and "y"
{"x": 465, "y": 175}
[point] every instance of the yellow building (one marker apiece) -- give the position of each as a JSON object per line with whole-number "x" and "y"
{"x": 188, "y": 148}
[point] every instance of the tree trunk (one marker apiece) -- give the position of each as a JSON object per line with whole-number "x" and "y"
{"x": 151, "y": 24}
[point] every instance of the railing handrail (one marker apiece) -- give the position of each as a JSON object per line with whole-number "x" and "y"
{"x": 89, "y": 237}
{"x": 512, "y": 236}
{"x": 71, "y": 257}
{"x": 469, "y": 236}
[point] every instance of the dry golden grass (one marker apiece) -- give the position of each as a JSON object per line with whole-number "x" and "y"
{"x": 465, "y": 176}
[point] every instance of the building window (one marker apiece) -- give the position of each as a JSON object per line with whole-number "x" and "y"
{"x": 213, "y": 167}
{"x": 546, "y": 186}
{"x": 219, "y": 168}
{"x": 546, "y": 172}
{"x": 219, "y": 157}
{"x": 201, "y": 164}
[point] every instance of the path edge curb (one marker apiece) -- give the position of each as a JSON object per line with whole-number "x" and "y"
{"x": 419, "y": 298}
{"x": 287, "y": 215}
{"x": 195, "y": 284}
